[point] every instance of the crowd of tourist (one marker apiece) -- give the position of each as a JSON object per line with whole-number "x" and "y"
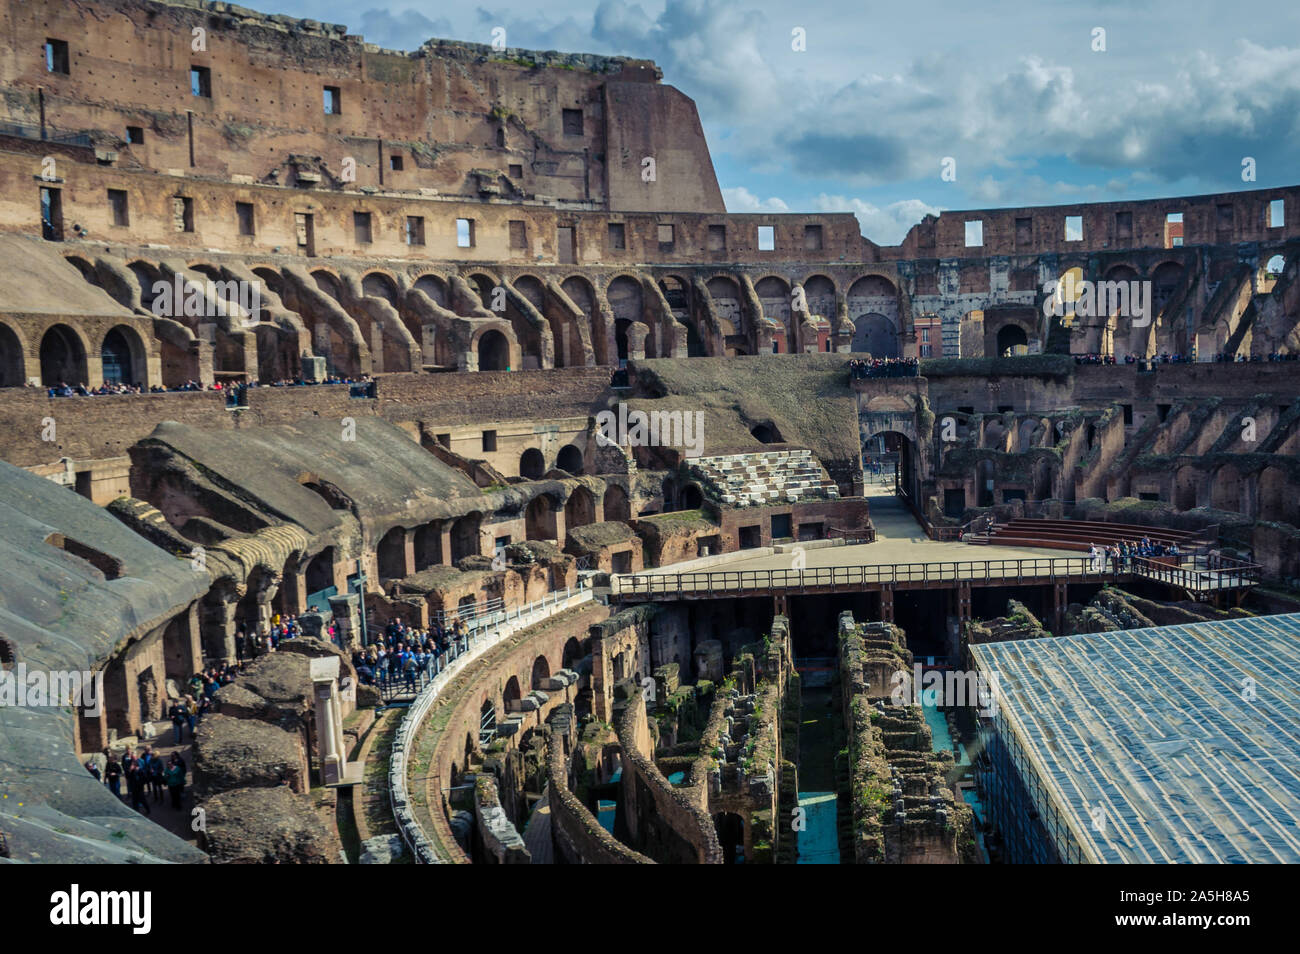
{"x": 144, "y": 775}
{"x": 1256, "y": 358}
{"x": 883, "y": 367}
{"x": 63, "y": 389}
{"x": 409, "y": 657}
{"x": 1121, "y": 555}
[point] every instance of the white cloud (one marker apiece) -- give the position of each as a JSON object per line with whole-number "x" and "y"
{"x": 887, "y": 226}
{"x": 741, "y": 199}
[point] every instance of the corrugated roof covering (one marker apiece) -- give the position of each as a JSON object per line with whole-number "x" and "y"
{"x": 1187, "y": 736}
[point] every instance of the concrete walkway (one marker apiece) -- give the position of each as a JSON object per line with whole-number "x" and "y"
{"x": 899, "y": 539}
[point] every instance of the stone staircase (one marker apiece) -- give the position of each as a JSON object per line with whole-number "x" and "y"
{"x": 770, "y": 477}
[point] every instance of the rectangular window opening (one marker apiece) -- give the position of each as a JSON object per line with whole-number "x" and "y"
{"x": 244, "y": 215}
{"x": 333, "y": 101}
{"x": 518, "y": 234}
{"x": 464, "y": 233}
{"x": 183, "y": 212}
{"x": 56, "y": 56}
{"x": 1074, "y": 228}
{"x": 974, "y": 233}
{"x": 117, "y": 204}
{"x": 361, "y": 228}
{"x": 415, "y": 230}
{"x": 767, "y": 238}
{"x": 201, "y": 81}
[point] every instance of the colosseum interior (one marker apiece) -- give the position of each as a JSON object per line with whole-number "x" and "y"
{"x": 664, "y": 497}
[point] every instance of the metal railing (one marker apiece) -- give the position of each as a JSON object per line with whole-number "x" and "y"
{"x": 46, "y": 134}
{"x": 1200, "y": 576}
{"x": 399, "y": 794}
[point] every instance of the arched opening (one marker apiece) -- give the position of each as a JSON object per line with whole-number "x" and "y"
{"x": 146, "y": 275}
{"x": 511, "y": 695}
{"x": 327, "y": 283}
{"x": 616, "y": 505}
{"x": 1225, "y": 489}
{"x": 1012, "y": 340}
{"x": 493, "y": 351}
{"x": 569, "y": 460}
{"x": 391, "y": 554}
{"x": 691, "y": 497}
{"x": 579, "y": 509}
{"x": 434, "y": 287}
{"x": 63, "y": 359}
{"x": 1276, "y": 265}
{"x": 539, "y": 519}
{"x": 11, "y": 359}
{"x": 122, "y": 357}
{"x": 1186, "y": 485}
{"x": 876, "y": 335}
{"x": 465, "y": 537}
{"x": 541, "y": 672}
{"x": 1164, "y": 282}
{"x": 379, "y": 285}
{"x": 572, "y": 654}
{"x": 320, "y": 577}
{"x": 1277, "y": 501}
{"x": 428, "y": 545}
{"x": 625, "y": 300}
{"x": 731, "y": 318}
{"x": 774, "y": 295}
{"x": 532, "y": 465}
{"x": 766, "y": 433}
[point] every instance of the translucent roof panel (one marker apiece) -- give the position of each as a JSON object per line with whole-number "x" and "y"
{"x": 1171, "y": 744}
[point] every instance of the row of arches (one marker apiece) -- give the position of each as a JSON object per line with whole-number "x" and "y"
{"x": 68, "y": 355}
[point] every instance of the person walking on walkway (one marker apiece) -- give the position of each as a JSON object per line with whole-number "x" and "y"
{"x": 176, "y": 779}
{"x": 113, "y": 773}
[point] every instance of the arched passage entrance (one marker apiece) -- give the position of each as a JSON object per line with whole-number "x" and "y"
{"x": 493, "y": 351}
{"x": 11, "y": 358}
{"x": 63, "y": 358}
{"x": 876, "y": 335}
{"x": 616, "y": 506}
{"x": 539, "y": 519}
{"x": 1011, "y": 337}
{"x": 579, "y": 509}
{"x": 569, "y": 460}
{"x": 532, "y": 465}
{"x": 122, "y": 355}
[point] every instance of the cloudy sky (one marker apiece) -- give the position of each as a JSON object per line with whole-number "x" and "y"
{"x": 862, "y": 119}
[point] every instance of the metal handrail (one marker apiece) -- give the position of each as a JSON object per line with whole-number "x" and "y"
{"x": 1223, "y": 574}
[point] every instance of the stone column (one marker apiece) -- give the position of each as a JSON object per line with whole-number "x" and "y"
{"x": 219, "y": 622}
{"x": 329, "y": 721}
